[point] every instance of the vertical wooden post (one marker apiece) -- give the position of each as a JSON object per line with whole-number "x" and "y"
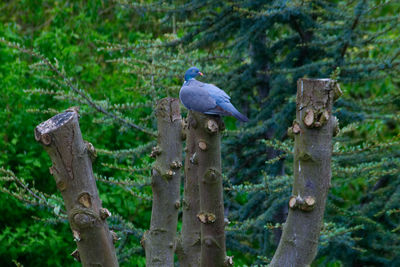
{"x": 313, "y": 130}
{"x": 211, "y": 215}
{"x": 189, "y": 254}
{"x": 159, "y": 242}
{"x": 72, "y": 170}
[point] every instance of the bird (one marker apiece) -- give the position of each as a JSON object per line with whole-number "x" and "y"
{"x": 206, "y": 98}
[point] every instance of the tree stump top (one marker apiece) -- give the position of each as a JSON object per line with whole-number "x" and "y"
{"x": 53, "y": 123}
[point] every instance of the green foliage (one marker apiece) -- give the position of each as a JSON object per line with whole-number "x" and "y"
{"x": 115, "y": 59}
{"x": 30, "y": 243}
{"x": 31, "y": 93}
{"x": 271, "y": 44}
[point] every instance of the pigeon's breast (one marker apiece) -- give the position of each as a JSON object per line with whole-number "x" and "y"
{"x": 195, "y": 97}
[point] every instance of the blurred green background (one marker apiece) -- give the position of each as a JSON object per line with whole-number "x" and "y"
{"x": 128, "y": 54}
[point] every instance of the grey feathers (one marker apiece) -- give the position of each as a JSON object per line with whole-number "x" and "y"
{"x": 208, "y": 99}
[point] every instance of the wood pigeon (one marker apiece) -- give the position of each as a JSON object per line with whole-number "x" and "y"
{"x": 206, "y": 98}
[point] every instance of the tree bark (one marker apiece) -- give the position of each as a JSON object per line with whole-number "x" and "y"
{"x": 211, "y": 215}
{"x": 159, "y": 242}
{"x": 72, "y": 170}
{"x": 189, "y": 254}
{"x": 313, "y": 130}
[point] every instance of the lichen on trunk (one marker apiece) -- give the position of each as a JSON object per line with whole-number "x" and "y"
{"x": 72, "y": 170}
{"x": 160, "y": 240}
{"x": 312, "y": 130}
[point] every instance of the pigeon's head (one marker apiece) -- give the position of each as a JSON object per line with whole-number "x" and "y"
{"x": 192, "y": 73}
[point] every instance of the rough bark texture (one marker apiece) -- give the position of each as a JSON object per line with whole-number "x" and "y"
{"x": 159, "y": 241}
{"x": 189, "y": 254}
{"x": 72, "y": 169}
{"x": 313, "y": 130}
{"x": 211, "y": 215}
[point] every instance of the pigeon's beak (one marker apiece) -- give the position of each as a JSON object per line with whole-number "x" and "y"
{"x": 200, "y": 73}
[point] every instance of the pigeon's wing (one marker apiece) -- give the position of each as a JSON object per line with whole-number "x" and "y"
{"x": 216, "y": 93}
{"x": 219, "y": 97}
{"x": 208, "y": 99}
{"x": 224, "y": 106}
{"x": 195, "y": 96}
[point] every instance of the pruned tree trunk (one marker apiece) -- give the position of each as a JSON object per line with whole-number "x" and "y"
{"x": 72, "y": 169}
{"x": 190, "y": 249}
{"x": 159, "y": 241}
{"x": 208, "y": 142}
{"x": 313, "y": 130}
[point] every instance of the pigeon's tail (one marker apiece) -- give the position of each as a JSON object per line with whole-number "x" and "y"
{"x": 227, "y": 106}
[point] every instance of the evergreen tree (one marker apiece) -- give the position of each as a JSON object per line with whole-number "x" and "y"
{"x": 254, "y": 50}
{"x": 265, "y": 46}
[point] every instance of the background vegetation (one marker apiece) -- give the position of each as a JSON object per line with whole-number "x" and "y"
{"x": 119, "y": 57}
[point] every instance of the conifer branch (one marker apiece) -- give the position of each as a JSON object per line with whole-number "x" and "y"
{"x": 359, "y": 13}
{"x": 28, "y": 194}
{"x": 68, "y": 82}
